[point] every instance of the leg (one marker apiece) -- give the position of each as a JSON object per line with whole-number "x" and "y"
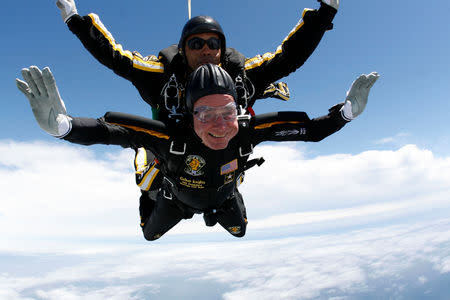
{"x": 146, "y": 205}
{"x": 165, "y": 215}
{"x": 232, "y": 215}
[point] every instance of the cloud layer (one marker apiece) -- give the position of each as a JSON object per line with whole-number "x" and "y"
{"x": 57, "y": 190}
{"x": 399, "y": 262}
{"x": 368, "y": 226}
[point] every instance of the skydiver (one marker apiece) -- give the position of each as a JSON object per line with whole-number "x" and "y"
{"x": 161, "y": 79}
{"x": 204, "y": 178}
{"x": 202, "y": 41}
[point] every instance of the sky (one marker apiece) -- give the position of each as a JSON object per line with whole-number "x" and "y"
{"x": 364, "y": 214}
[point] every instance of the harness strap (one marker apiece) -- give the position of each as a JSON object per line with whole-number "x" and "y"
{"x": 245, "y": 148}
{"x": 253, "y": 162}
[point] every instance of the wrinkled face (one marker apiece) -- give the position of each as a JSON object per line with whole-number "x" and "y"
{"x": 196, "y": 58}
{"x": 220, "y": 126}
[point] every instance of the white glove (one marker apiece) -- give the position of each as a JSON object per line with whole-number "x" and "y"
{"x": 332, "y": 3}
{"x": 357, "y": 96}
{"x": 67, "y": 8}
{"x": 48, "y": 108}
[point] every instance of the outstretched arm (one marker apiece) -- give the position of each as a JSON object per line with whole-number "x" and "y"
{"x": 296, "y": 126}
{"x": 295, "y": 49}
{"x": 114, "y": 128}
{"x": 145, "y": 73}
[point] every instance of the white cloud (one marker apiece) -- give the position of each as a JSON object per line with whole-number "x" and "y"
{"x": 422, "y": 279}
{"x": 397, "y": 139}
{"x": 380, "y": 262}
{"x": 342, "y": 180}
{"x": 61, "y": 191}
{"x": 83, "y": 293}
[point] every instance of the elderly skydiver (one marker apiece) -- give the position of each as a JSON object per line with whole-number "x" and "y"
{"x": 217, "y": 142}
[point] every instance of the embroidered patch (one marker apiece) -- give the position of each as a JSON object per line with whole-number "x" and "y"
{"x": 194, "y": 165}
{"x": 229, "y": 167}
{"x": 302, "y": 131}
{"x": 229, "y": 178}
{"x": 192, "y": 183}
{"x": 234, "y": 229}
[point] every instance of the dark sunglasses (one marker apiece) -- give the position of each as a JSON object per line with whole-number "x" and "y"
{"x": 197, "y": 43}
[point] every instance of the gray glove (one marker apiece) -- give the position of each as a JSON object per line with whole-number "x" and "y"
{"x": 357, "y": 96}
{"x": 48, "y": 108}
{"x": 332, "y": 3}
{"x": 67, "y": 8}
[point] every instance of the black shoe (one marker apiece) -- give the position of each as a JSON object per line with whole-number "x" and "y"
{"x": 210, "y": 218}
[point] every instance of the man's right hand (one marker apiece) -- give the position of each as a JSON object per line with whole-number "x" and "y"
{"x": 67, "y": 8}
{"x": 48, "y": 107}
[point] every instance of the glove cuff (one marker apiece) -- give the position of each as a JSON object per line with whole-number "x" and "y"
{"x": 346, "y": 111}
{"x": 70, "y": 15}
{"x": 64, "y": 125}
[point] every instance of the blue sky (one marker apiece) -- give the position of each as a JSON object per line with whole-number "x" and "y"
{"x": 406, "y": 44}
{"x": 360, "y": 215}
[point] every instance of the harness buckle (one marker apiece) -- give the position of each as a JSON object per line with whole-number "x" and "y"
{"x": 243, "y": 116}
{"x": 247, "y": 153}
{"x": 166, "y": 194}
{"x": 176, "y": 152}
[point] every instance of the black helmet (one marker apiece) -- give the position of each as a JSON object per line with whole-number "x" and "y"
{"x": 207, "y": 80}
{"x": 201, "y": 24}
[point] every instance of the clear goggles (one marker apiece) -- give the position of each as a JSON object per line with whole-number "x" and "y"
{"x": 207, "y": 114}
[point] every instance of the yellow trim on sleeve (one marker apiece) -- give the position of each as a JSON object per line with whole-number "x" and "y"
{"x": 152, "y": 66}
{"x": 138, "y": 62}
{"x": 99, "y": 25}
{"x": 148, "y": 131}
{"x": 267, "y": 125}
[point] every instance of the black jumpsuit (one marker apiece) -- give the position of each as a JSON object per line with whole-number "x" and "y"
{"x": 200, "y": 180}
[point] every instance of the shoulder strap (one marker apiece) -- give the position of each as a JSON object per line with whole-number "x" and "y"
{"x": 245, "y": 145}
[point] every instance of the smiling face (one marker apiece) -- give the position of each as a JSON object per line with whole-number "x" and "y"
{"x": 196, "y": 58}
{"x": 217, "y": 133}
